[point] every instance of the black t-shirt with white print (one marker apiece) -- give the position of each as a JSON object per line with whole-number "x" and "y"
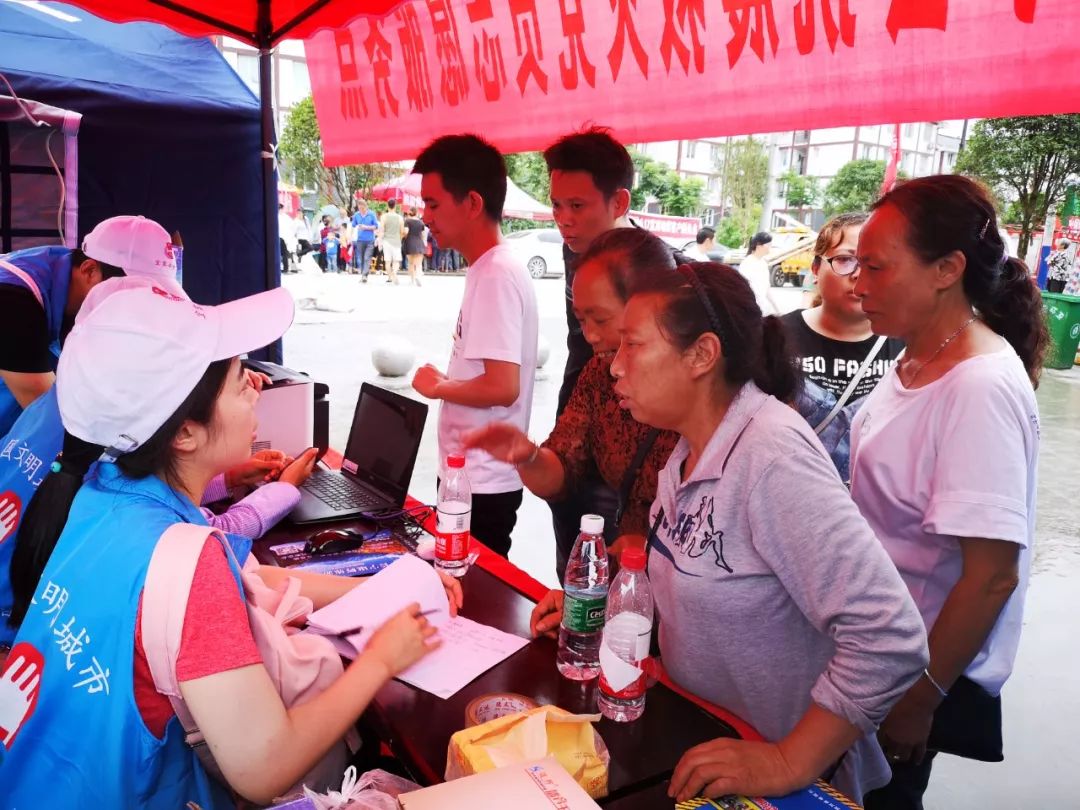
{"x": 828, "y": 366}
{"x": 832, "y": 363}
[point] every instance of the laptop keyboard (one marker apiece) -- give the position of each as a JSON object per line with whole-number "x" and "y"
{"x": 340, "y": 493}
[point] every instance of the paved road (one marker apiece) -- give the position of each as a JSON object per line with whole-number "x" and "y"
{"x": 1042, "y": 701}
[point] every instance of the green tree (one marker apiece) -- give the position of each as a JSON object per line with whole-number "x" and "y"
{"x": 855, "y": 186}
{"x": 800, "y": 190}
{"x": 1029, "y": 161}
{"x": 678, "y": 196}
{"x": 301, "y": 155}
{"x": 300, "y": 146}
{"x": 529, "y": 171}
{"x": 746, "y": 176}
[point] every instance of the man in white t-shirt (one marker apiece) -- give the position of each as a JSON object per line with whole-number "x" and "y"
{"x": 755, "y": 269}
{"x": 493, "y": 358}
{"x": 703, "y": 244}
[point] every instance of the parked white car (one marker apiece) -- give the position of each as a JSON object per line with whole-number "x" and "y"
{"x": 541, "y": 249}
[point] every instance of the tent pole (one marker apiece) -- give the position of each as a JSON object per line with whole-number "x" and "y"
{"x": 272, "y": 256}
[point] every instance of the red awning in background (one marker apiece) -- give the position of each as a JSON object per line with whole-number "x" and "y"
{"x": 523, "y": 72}
{"x": 519, "y": 205}
{"x": 288, "y": 19}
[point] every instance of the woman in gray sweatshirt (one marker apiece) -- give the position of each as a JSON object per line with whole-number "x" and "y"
{"x": 775, "y": 599}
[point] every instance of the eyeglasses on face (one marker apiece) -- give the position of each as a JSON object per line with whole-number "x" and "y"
{"x": 843, "y": 265}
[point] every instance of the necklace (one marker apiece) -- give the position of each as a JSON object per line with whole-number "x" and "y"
{"x": 939, "y": 349}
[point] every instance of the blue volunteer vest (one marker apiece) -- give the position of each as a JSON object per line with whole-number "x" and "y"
{"x": 25, "y": 455}
{"x": 84, "y": 743}
{"x": 50, "y": 268}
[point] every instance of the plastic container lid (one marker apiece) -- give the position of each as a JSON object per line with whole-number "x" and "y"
{"x": 633, "y": 558}
{"x": 592, "y": 524}
{"x": 455, "y": 462}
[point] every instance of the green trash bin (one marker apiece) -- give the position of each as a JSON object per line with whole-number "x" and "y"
{"x": 1063, "y": 318}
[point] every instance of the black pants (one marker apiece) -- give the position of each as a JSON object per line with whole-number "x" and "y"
{"x": 284, "y": 255}
{"x": 905, "y": 791}
{"x": 493, "y": 519}
{"x": 591, "y": 496}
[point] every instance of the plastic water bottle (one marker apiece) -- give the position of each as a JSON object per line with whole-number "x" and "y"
{"x": 586, "y": 587}
{"x": 627, "y": 630}
{"x": 453, "y": 518}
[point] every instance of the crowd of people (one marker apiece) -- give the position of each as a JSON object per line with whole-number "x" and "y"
{"x": 364, "y": 242}
{"x": 837, "y": 505}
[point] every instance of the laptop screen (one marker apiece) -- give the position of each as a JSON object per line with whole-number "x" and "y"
{"x": 384, "y": 440}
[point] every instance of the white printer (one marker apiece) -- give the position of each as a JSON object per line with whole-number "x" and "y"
{"x": 293, "y": 411}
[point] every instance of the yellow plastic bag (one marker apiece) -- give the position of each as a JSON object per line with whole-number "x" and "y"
{"x": 535, "y": 734}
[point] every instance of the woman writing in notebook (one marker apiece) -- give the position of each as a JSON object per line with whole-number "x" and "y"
{"x": 81, "y": 716}
{"x": 775, "y": 599}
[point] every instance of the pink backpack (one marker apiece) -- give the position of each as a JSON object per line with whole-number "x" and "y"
{"x": 301, "y": 665}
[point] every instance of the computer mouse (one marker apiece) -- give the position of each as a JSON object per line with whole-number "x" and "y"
{"x": 332, "y": 541}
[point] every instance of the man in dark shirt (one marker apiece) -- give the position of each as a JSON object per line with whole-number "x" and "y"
{"x": 591, "y": 177}
{"x": 41, "y": 290}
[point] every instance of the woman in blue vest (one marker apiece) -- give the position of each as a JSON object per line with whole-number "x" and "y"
{"x": 149, "y": 384}
{"x": 38, "y": 436}
{"x": 41, "y": 290}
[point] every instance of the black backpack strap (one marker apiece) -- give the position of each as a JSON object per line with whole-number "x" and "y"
{"x": 631, "y": 474}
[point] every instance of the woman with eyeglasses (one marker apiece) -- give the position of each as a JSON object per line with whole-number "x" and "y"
{"x": 841, "y": 358}
{"x": 775, "y": 599}
{"x": 944, "y": 459}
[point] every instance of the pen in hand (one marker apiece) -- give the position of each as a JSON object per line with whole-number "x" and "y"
{"x": 353, "y": 630}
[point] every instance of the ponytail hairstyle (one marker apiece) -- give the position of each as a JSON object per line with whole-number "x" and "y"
{"x": 47, "y": 512}
{"x": 705, "y": 297}
{"x": 628, "y": 255}
{"x": 947, "y": 213}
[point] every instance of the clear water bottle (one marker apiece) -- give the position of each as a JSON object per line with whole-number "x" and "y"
{"x": 453, "y": 518}
{"x": 586, "y": 587}
{"x": 627, "y": 630}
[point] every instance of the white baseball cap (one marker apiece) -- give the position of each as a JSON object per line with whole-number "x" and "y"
{"x": 99, "y": 292}
{"x": 133, "y": 358}
{"x": 137, "y": 245}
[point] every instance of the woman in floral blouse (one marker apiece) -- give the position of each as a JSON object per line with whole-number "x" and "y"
{"x": 594, "y": 430}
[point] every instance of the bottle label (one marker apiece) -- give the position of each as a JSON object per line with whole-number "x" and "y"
{"x": 452, "y": 535}
{"x": 583, "y": 615}
{"x": 631, "y": 692}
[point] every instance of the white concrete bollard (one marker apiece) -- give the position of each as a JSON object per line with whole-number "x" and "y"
{"x": 393, "y": 358}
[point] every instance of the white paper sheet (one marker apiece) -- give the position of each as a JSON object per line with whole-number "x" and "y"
{"x": 468, "y": 649}
{"x": 390, "y": 591}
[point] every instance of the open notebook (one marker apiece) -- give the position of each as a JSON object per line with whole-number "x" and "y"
{"x": 469, "y": 649}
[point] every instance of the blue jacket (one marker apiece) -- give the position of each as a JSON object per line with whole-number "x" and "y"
{"x": 50, "y": 268}
{"x": 83, "y": 743}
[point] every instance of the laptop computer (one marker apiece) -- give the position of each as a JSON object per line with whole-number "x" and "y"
{"x": 378, "y": 463}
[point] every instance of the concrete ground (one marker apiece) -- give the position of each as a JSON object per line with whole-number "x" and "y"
{"x": 333, "y": 343}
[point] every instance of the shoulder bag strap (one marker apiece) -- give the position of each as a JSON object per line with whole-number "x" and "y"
{"x": 164, "y": 605}
{"x": 631, "y": 474}
{"x": 840, "y": 403}
{"x": 26, "y": 279}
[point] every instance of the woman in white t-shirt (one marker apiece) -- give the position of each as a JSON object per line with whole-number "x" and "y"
{"x": 944, "y": 455}
{"x": 755, "y": 269}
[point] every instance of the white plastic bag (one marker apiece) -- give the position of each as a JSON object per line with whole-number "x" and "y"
{"x": 375, "y": 790}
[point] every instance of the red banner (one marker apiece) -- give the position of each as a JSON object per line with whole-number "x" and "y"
{"x": 685, "y": 228}
{"x": 523, "y": 72}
